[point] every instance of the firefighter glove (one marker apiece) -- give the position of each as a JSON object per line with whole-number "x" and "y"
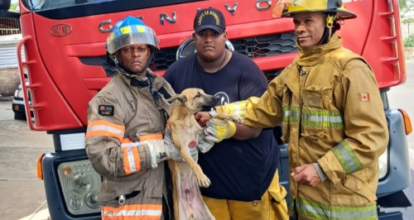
{"x": 217, "y": 130}
{"x": 165, "y": 149}
{"x": 204, "y": 145}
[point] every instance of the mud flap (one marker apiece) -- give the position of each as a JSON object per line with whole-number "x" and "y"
{"x": 398, "y": 199}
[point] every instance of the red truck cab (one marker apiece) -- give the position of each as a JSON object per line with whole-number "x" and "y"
{"x": 65, "y": 63}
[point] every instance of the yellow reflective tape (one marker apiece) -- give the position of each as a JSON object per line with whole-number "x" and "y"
{"x": 111, "y": 36}
{"x": 126, "y": 30}
{"x": 140, "y": 28}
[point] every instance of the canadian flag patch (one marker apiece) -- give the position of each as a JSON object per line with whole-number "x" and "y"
{"x": 364, "y": 97}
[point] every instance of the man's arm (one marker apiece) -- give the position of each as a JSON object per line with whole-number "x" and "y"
{"x": 114, "y": 155}
{"x": 263, "y": 112}
{"x": 243, "y": 132}
{"x": 364, "y": 123}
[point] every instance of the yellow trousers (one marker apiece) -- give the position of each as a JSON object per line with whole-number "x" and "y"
{"x": 272, "y": 206}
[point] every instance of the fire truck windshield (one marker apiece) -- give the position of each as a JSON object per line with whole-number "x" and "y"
{"x": 52, "y": 4}
{"x": 64, "y": 9}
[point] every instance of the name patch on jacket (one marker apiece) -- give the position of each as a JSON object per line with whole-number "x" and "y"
{"x": 106, "y": 110}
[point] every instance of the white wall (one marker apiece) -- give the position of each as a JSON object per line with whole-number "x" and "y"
{"x": 8, "y": 53}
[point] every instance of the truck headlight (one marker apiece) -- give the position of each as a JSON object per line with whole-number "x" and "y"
{"x": 383, "y": 164}
{"x": 80, "y": 185}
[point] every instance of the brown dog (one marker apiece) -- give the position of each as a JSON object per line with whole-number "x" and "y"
{"x": 187, "y": 176}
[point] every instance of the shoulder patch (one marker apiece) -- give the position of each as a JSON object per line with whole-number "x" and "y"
{"x": 364, "y": 97}
{"x": 106, "y": 110}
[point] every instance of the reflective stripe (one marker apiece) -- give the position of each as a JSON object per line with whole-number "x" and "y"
{"x": 313, "y": 118}
{"x": 236, "y": 108}
{"x": 137, "y": 212}
{"x": 126, "y": 30}
{"x": 318, "y": 211}
{"x": 150, "y": 137}
{"x": 322, "y": 118}
{"x": 105, "y": 128}
{"x": 132, "y": 162}
{"x": 291, "y": 114}
{"x": 346, "y": 157}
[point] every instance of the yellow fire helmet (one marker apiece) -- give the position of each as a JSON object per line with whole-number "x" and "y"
{"x": 286, "y": 8}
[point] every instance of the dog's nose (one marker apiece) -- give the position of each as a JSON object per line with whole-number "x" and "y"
{"x": 216, "y": 98}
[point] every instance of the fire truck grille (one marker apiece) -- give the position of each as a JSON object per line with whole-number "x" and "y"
{"x": 264, "y": 46}
{"x": 254, "y": 47}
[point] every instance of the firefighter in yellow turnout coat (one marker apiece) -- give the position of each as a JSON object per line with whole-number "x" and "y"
{"x": 329, "y": 104}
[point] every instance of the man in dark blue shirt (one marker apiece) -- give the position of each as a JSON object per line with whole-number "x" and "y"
{"x": 242, "y": 169}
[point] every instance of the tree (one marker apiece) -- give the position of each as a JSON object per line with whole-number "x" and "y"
{"x": 406, "y": 6}
{"x": 14, "y": 6}
{"x": 409, "y": 41}
{"x": 408, "y": 21}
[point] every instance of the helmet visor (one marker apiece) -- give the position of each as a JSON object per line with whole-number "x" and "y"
{"x": 130, "y": 35}
{"x": 286, "y": 8}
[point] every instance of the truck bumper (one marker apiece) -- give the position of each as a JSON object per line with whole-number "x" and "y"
{"x": 55, "y": 199}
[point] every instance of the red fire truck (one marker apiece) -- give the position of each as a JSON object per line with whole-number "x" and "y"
{"x": 65, "y": 64}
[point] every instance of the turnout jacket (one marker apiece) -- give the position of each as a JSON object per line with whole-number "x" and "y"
{"x": 332, "y": 114}
{"x": 121, "y": 117}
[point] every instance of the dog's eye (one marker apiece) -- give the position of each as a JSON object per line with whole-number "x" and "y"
{"x": 198, "y": 95}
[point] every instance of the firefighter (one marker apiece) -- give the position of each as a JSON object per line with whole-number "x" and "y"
{"x": 332, "y": 115}
{"x": 126, "y": 120}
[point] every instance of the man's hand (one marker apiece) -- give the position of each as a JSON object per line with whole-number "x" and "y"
{"x": 172, "y": 150}
{"x": 306, "y": 174}
{"x": 202, "y": 118}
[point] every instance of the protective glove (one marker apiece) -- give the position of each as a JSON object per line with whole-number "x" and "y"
{"x": 217, "y": 130}
{"x": 204, "y": 145}
{"x": 161, "y": 150}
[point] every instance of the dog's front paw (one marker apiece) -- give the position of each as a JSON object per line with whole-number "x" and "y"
{"x": 203, "y": 181}
{"x": 236, "y": 119}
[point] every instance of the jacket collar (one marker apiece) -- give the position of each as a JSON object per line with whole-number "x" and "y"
{"x": 314, "y": 55}
{"x": 139, "y": 81}
{"x": 161, "y": 87}
{"x": 309, "y": 57}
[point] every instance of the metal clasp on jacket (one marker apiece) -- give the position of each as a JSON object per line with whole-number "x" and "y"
{"x": 132, "y": 104}
{"x": 121, "y": 200}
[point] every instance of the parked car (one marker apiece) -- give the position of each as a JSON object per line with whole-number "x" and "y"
{"x": 18, "y": 104}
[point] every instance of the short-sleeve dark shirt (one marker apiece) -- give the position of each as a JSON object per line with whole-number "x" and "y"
{"x": 238, "y": 170}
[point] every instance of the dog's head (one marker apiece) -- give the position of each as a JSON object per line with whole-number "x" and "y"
{"x": 194, "y": 99}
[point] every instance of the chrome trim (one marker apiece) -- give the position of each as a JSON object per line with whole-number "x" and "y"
{"x": 165, "y": 16}
{"x": 101, "y": 26}
{"x": 231, "y": 10}
{"x": 260, "y": 8}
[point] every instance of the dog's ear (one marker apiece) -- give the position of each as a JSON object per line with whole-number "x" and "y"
{"x": 180, "y": 98}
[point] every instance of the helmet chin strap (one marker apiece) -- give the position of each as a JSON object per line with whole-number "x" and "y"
{"x": 128, "y": 73}
{"x": 330, "y": 19}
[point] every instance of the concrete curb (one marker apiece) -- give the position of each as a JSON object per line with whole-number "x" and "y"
{"x": 41, "y": 215}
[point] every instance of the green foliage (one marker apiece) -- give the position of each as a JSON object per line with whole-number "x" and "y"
{"x": 406, "y": 6}
{"x": 409, "y": 41}
{"x": 13, "y": 6}
{"x": 408, "y": 21}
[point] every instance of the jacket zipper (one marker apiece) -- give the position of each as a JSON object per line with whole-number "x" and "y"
{"x": 303, "y": 75}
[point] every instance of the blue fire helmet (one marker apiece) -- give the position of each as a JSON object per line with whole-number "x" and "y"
{"x": 130, "y": 31}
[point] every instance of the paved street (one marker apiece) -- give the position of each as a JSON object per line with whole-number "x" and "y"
{"x": 23, "y": 194}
